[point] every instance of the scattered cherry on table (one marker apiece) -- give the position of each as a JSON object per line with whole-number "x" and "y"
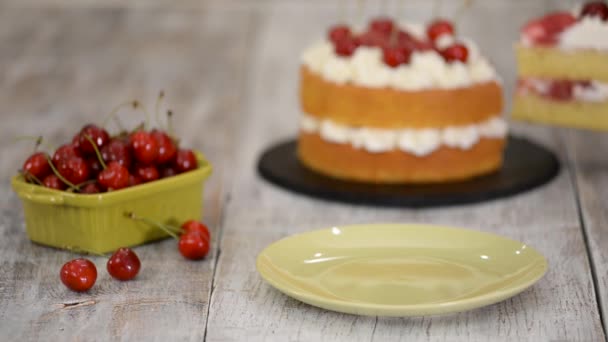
{"x": 79, "y": 274}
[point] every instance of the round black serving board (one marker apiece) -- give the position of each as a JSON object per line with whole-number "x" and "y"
{"x": 526, "y": 166}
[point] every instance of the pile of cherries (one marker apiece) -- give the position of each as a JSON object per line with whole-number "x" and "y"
{"x": 546, "y": 30}
{"x": 397, "y": 45}
{"x": 94, "y": 161}
{"x": 80, "y": 274}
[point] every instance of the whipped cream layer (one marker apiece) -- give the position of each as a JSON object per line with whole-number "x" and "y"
{"x": 594, "y": 91}
{"x": 426, "y": 69}
{"x": 420, "y": 142}
{"x": 587, "y": 33}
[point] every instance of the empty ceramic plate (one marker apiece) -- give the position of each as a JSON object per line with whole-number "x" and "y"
{"x": 400, "y": 269}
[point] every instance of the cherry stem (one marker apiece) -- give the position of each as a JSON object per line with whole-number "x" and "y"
{"x": 136, "y": 105}
{"x": 90, "y": 181}
{"x": 113, "y": 115}
{"x": 30, "y": 176}
{"x": 79, "y": 250}
{"x": 153, "y": 223}
{"x": 103, "y": 164}
{"x": 70, "y": 184}
{"x": 39, "y": 141}
{"x": 159, "y": 100}
{"x": 170, "y": 122}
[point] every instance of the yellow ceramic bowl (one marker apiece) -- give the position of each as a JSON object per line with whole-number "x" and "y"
{"x": 97, "y": 223}
{"x": 400, "y": 269}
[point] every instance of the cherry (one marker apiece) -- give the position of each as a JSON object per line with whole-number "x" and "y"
{"x": 346, "y": 47}
{"x": 114, "y": 177}
{"x": 91, "y": 188}
{"x": 117, "y": 150}
{"x": 94, "y": 166}
{"x": 65, "y": 152}
{"x": 338, "y": 33}
{"x": 146, "y": 173}
{"x": 123, "y": 264}
{"x": 438, "y": 28}
{"x": 456, "y": 52}
{"x": 193, "y": 245}
{"x": 53, "y": 182}
{"x": 168, "y": 171}
{"x": 99, "y": 135}
{"x": 394, "y": 56}
{"x": 145, "y": 148}
{"x": 185, "y": 160}
{"x": 134, "y": 180}
{"x": 37, "y": 165}
{"x": 75, "y": 170}
{"x": 544, "y": 31}
{"x": 372, "y": 39}
{"x": 166, "y": 148}
{"x": 78, "y": 274}
{"x": 561, "y": 90}
{"x": 191, "y": 226}
{"x": 382, "y": 25}
{"x": 595, "y": 9}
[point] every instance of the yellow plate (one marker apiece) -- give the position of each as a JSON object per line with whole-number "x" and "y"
{"x": 400, "y": 269}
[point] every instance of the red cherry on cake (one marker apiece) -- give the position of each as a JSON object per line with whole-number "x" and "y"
{"x": 145, "y": 148}
{"x": 456, "y": 52}
{"x": 339, "y": 32}
{"x": 193, "y": 245}
{"x": 99, "y": 135}
{"x": 544, "y": 31}
{"x": 123, "y": 264}
{"x": 75, "y": 170}
{"x": 595, "y": 9}
{"x": 185, "y": 160}
{"x": 37, "y": 165}
{"x": 561, "y": 90}
{"x": 65, "y": 152}
{"x": 146, "y": 173}
{"x": 166, "y": 147}
{"x": 117, "y": 150}
{"x": 382, "y": 25}
{"x": 53, "y": 182}
{"x": 78, "y": 275}
{"x": 191, "y": 226}
{"x": 438, "y": 28}
{"x": 395, "y": 55}
{"x": 114, "y": 177}
{"x": 372, "y": 38}
{"x": 345, "y": 47}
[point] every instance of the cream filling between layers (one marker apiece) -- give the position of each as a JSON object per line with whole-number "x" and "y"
{"x": 420, "y": 142}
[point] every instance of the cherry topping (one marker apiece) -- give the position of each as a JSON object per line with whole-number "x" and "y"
{"x": 191, "y": 226}
{"x": 438, "y": 28}
{"x": 146, "y": 173}
{"x": 544, "y": 31}
{"x": 117, "y": 150}
{"x": 53, "y": 182}
{"x": 114, "y": 177}
{"x": 144, "y": 147}
{"x": 65, "y": 152}
{"x": 382, "y": 25}
{"x": 91, "y": 188}
{"x": 123, "y": 264}
{"x": 456, "y": 52}
{"x": 37, "y": 165}
{"x": 166, "y": 148}
{"x": 75, "y": 170}
{"x": 193, "y": 246}
{"x": 394, "y": 56}
{"x": 346, "y": 47}
{"x": 561, "y": 90}
{"x": 99, "y": 135}
{"x": 339, "y": 32}
{"x": 595, "y": 9}
{"x": 78, "y": 274}
{"x": 372, "y": 38}
{"x": 185, "y": 160}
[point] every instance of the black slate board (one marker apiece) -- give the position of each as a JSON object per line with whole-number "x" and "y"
{"x": 526, "y": 166}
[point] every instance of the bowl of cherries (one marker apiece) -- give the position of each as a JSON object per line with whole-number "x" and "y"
{"x": 76, "y": 196}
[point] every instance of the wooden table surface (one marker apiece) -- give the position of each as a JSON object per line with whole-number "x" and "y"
{"x": 230, "y": 72}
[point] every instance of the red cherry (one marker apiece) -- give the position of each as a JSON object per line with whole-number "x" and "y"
{"x": 193, "y": 246}
{"x": 94, "y": 166}
{"x": 146, "y": 173}
{"x": 78, "y": 274}
{"x": 134, "y": 180}
{"x": 595, "y": 8}
{"x": 65, "y": 152}
{"x": 75, "y": 170}
{"x": 37, "y": 165}
{"x": 114, "y": 177}
{"x": 456, "y": 52}
{"x": 166, "y": 147}
{"x": 382, "y": 25}
{"x": 99, "y": 135}
{"x": 561, "y": 90}
{"x": 117, "y": 150}
{"x": 338, "y": 33}
{"x": 438, "y": 28}
{"x": 394, "y": 56}
{"x": 91, "y": 188}
{"x": 168, "y": 171}
{"x": 145, "y": 148}
{"x": 372, "y": 38}
{"x": 185, "y": 160}
{"x": 191, "y": 226}
{"x": 123, "y": 264}
{"x": 53, "y": 182}
{"x": 544, "y": 31}
{"x": 346, "y": 47}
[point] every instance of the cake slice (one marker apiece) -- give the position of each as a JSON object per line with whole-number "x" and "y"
{"x": 563, "y": 69}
